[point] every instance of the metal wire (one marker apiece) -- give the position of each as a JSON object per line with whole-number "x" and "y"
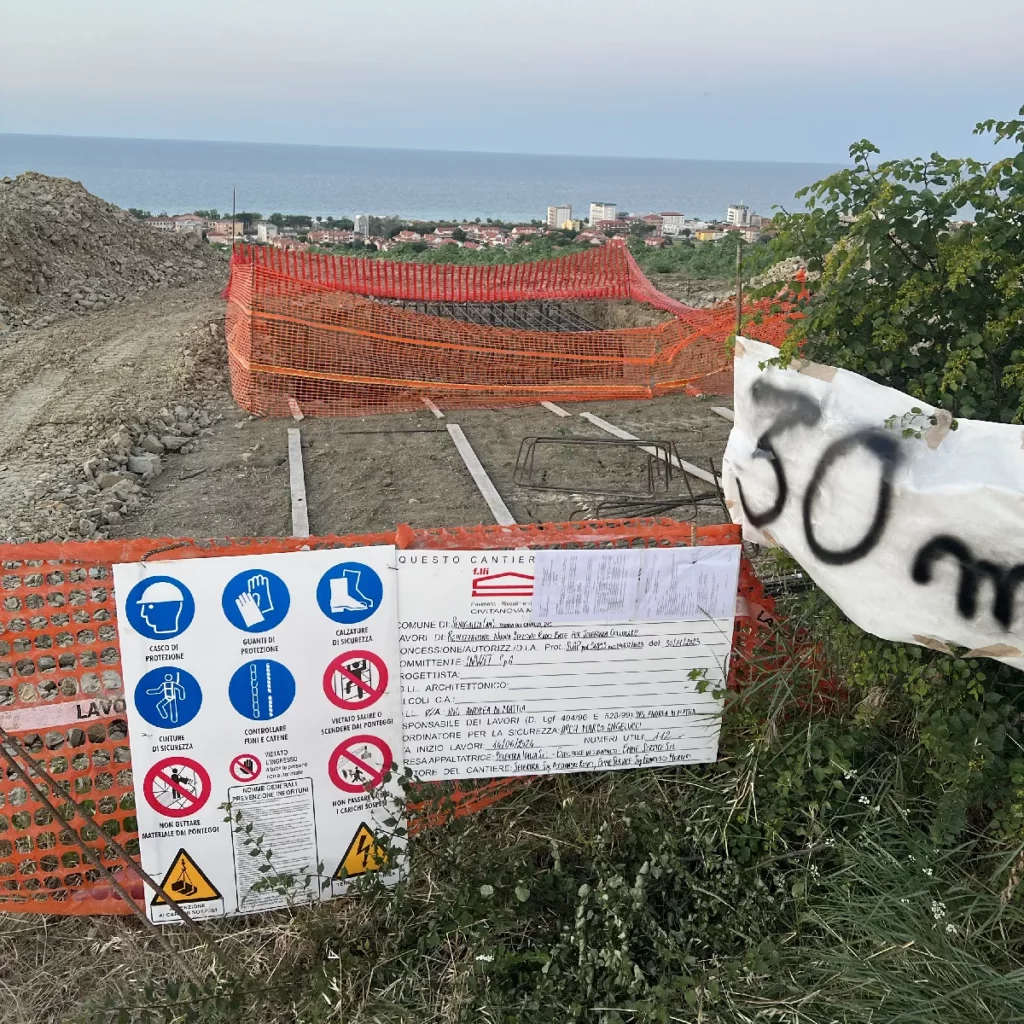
{"x": 683, "y": 507}
{"x": 655, "y": 465}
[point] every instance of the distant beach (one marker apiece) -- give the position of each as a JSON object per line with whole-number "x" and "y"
{"x": 178, "y": 176}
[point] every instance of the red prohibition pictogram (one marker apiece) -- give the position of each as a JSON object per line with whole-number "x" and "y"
{"x": 359, "y": 763}
{"x": 245, "y": 767}
{"x": 177, "y": 787}
{"x": 355, "y": 680}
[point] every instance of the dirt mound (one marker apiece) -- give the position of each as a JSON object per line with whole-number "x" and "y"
{"x": 701, "y": 293}
{"x": 780, "y": 273}
{"x": 63, "y": 250}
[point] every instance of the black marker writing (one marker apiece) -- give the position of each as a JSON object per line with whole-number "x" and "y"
{"x": 886, "y": 450}
{"x": 795, "y": 409}
{"x": 972, "y": 571}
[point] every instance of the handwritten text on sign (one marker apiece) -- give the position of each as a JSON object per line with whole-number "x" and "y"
{"x": 911, "y": 526}
{"x": 488, "y": 689}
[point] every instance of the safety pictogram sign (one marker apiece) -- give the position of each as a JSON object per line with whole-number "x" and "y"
{"x": 245, "y": 767}
{"x": 160, "y": 607}
{"x": 349, "y": 592}
{"x": 186, "y": 882}
{"x": 355, "y": 680}
{"x": 364, "y": 854}
{"x": 168, "y": 698}
{"x": 262, "y": 689}
{"x": 256, "y": 601}
{"x": 252, "y": 691}
{"x": 177, "y": 787}
{"x": 359, "y": 763}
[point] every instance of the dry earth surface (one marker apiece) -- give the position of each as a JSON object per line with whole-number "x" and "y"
{"x": 370, "y": 474}
{"x": 119, "y": 422}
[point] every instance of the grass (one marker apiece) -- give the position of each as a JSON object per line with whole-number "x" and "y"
{"x": 799, "y": 880}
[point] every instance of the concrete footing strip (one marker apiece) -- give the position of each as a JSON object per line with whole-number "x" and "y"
{"x": 297, "y": 484}
{"x": 498, "y": 508}
{"x": 556, "y": 409}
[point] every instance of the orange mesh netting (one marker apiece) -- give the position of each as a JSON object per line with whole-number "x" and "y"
{"x": 324, "y": 332}
{"x": 62, "y": 696}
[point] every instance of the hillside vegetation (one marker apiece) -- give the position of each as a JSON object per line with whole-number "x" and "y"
{"x": 699, "y": 260}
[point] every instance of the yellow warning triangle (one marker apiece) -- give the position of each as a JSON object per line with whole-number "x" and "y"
{"x": 364, "y": 854}
{"x": 185, "y": 882}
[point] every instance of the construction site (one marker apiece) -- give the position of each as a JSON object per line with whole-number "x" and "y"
{"x": 141, "y": 412}
{"x": 162, "y": 401}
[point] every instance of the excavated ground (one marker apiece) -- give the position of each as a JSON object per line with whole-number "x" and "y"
{"x": 87, "y": 401}
{"x": 372, "y": 473}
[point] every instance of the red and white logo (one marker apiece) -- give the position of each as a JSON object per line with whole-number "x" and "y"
{"x": 503, "y": 584}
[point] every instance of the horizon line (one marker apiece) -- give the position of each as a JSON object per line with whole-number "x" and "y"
{"x": 413, "y": 149}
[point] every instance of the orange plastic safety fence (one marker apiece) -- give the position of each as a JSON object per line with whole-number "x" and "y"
{"x": 63, "y": 698}
{"x": 310, "y": 328}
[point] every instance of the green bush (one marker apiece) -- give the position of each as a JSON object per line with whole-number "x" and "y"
{"x": 906, "y": 294}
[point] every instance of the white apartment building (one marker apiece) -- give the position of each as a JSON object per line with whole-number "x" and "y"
{"x": 558, "y": 215}
{"x": 672, "y": 223}
{"x": 266, "y": 230}
{"x": 602, "y": 211}
{"x": 362, "y": 224}
{"x": 189, "y": 223}
{"x": 738, "y": 214}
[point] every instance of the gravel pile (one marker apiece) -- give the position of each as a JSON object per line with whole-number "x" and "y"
{"x": 80, "y": 475}
{"x": 127, "y": 460}
{"x": 64, "y": 251}
{"x": 781, "y": 273}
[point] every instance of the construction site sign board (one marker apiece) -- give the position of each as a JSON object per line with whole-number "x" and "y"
{"x": 524, "y": 663}
{"x": 269, "y": 684}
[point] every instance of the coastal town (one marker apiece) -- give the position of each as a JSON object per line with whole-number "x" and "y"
{"x": 603, "y": 221}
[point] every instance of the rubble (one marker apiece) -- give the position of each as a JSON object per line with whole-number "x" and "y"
{"x": 111, "y": 483}
{"x": 103, "y": 425}
{"x": 782, "y": 272}
{"x": 66, "y": 252}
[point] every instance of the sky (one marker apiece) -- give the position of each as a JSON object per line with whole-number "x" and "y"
{"x": 788, "y": 80}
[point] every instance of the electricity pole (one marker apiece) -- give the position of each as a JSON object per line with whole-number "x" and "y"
{"x": 739, "y": 284}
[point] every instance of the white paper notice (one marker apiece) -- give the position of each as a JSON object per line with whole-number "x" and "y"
{"x": 269, "y": 683}
{"x": 490, "y": 690}
{"x": 636, "y": 585}
{"x": 688, "y": 584}
{"x": 586, "y": 586}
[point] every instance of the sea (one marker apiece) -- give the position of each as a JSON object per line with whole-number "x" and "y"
{"x": 176, "y": 176}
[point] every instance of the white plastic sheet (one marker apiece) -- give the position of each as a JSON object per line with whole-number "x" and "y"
{"x": 917, "y": 539}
